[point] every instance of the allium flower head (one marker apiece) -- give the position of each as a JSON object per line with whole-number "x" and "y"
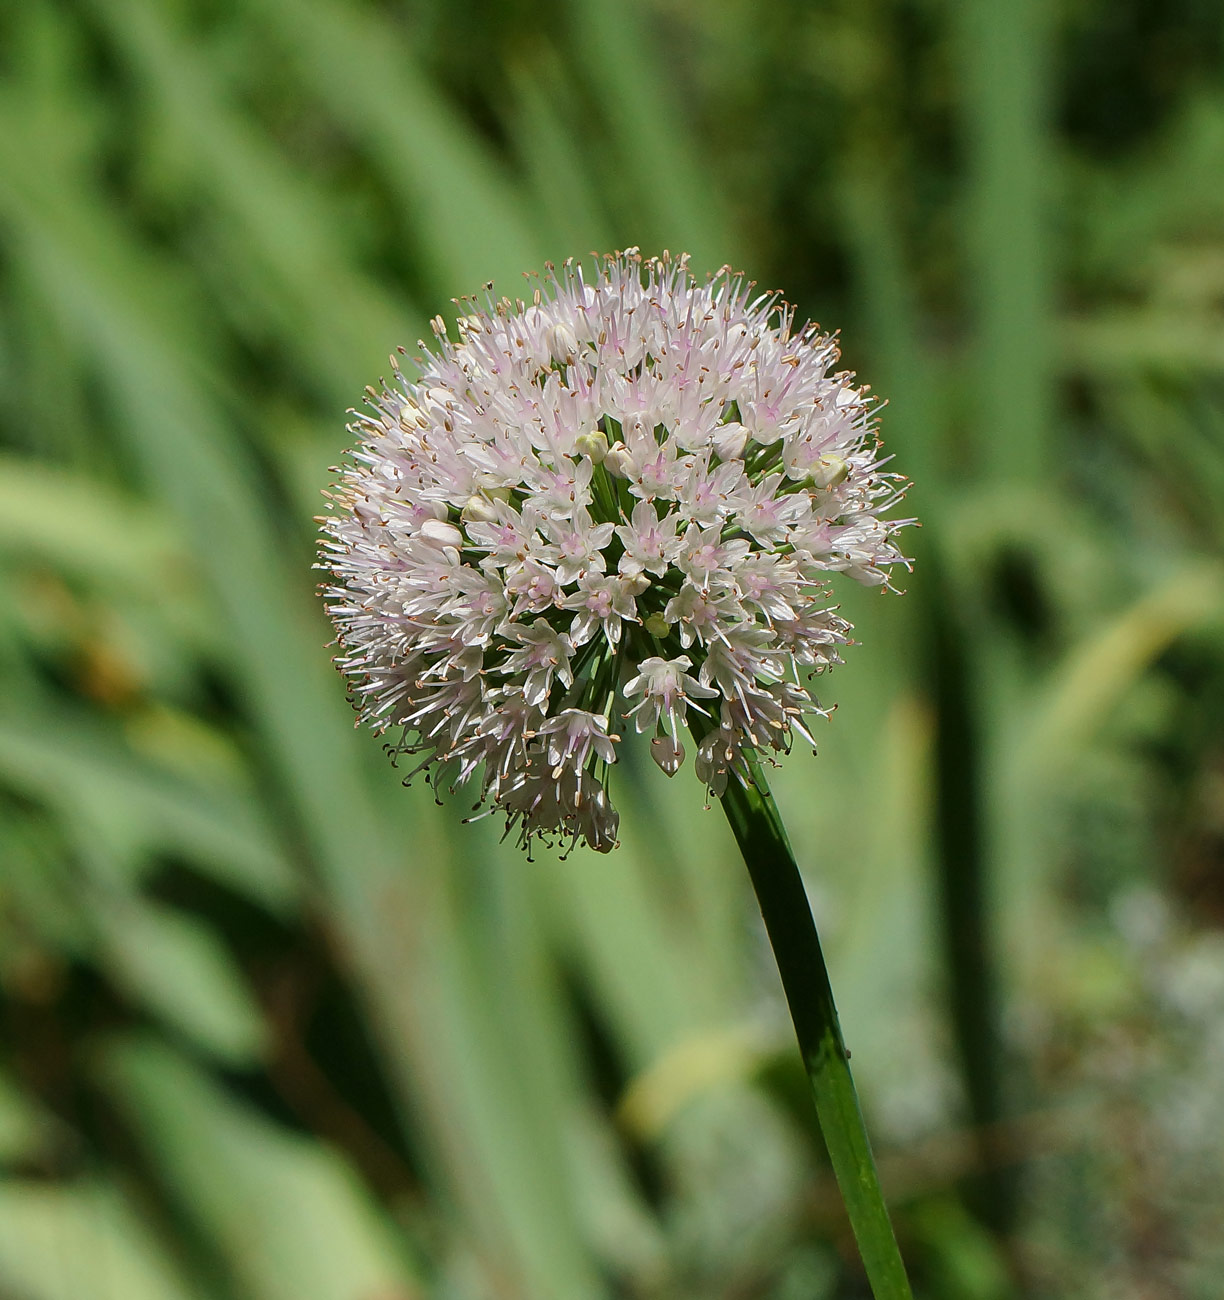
{"x": 615, "y": 506}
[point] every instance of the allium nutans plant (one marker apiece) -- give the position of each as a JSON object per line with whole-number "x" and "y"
{"x": 618, "y": 507}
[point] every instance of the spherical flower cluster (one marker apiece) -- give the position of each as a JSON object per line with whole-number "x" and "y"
{"x": 616, "y": 505}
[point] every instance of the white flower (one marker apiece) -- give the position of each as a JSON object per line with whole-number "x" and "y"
{"x": 578, "y": 545}
{"x": 701, "y": 615}
{"x": 603, "y": 604}
{"x": 650, "y": 542}
{"x": 665, "y": 689}
{"x": 766, "y": 513}
{"x": 704, "y": 554}
{"x": 543, "y": 654}
{"x": 623, "y": 499}
{"x": 573, "y": 736}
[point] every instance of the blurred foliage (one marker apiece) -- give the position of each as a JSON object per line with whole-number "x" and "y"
{"x": 277, "y": 1029}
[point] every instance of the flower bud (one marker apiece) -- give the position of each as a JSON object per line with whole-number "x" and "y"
{"x": 618, "y": 461}
{"x": 439, "y": 533}
{"x": 479, "y": 510}
{"x": 668, "y": 753}
{"x": 657, "y": 625}
{"x": 828, "y": 472}
{"x": 593, "y": 445}
{"x": 730, "y": 440}
{"x": 562, "y": 342}
{"x": 411, "y": 416}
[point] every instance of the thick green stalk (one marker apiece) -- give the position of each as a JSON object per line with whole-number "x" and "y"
{"x": 779, "y": 889}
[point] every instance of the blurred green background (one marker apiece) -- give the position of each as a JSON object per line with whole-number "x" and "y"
{"x": 275, "y": 1028}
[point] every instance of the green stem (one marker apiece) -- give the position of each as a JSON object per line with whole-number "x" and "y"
{"x": 762, "y": 839}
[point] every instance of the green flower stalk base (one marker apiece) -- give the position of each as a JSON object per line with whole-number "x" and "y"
{"x": 779, "y": 889}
